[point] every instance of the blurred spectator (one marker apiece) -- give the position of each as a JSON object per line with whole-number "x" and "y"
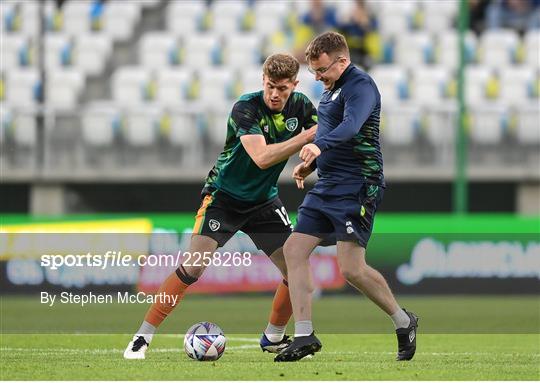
{"x": 320, "y": 17}
{"x": 516, "y": 14}
{"x": 59, "y": 3}
{"x": 477, "y": 15}
{"x": 301, "y": 29}
{"x": 357, "y": 29}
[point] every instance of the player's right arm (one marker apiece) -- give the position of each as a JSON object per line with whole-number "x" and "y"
{"x": 245, "y": 121}
{"x": 265, "y": 155}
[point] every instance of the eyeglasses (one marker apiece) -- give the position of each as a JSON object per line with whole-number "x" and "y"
{"x": 323, "y": 69}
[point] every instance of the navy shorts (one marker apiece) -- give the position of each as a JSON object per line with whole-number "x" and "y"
{"x": 340, "y": 212}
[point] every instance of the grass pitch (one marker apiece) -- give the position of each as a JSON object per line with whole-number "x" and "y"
{"x": 368, "y": 356}
{"x": 343, "y": 357}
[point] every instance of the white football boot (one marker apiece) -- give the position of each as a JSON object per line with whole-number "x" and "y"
{"x": 136, "y": 349}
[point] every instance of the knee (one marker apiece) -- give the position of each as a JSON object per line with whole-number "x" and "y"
{"x": 193, "y": 271}
{"x": 289, "y": 250}
{"x": 358, "y": 274}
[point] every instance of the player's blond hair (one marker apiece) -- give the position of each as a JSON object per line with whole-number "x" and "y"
{"x": 331, "y": 43}
{"x": 281, "y": 66}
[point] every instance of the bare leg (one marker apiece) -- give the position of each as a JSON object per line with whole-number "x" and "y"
{"x": 278, "y": 259}
{"x": 201, "y": 244}
{"x": 297, "y": 250}
{"x": 353, "y": 266}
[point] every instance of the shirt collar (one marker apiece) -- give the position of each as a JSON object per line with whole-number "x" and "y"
{"x": 343, "y": 76}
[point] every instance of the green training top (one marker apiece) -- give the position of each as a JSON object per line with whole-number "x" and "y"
{"x": 235, "y": 173}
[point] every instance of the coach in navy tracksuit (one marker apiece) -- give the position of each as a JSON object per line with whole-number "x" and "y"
{"x": 342, "y": 205}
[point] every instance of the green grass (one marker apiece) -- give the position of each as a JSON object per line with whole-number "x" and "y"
{"x": 343, "y": 357}
{"x": 247, "y": 314}
{"x": 460, "y": 338}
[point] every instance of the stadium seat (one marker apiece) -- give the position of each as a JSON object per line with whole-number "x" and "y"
{"x": 58, "y": 48}
{"x": 76, "y": 17}
{"x": 92, "y": 52}
{"x": 181, "y": 132}
{"x": 25, "y": 131}
{"x": 64, "y": 88}
{"x": 119, "y": 19}
{"x": 400, "y": 125}
{"x": 218, "y": 127}
{"x": 215, "y": 86}
{"x": 13, "y": 48}
{"x": 429, "y": 85}
{"x": 515, "y": 83}
{"x": 343, "y": 9}
{"x": 396, "y": 16}
{"x": 141, "y": 126}
{"x": 413, "y": 49}
{"x": 21, "y": 87}
{"x": 269, "y": 16}
{"x": 155, "y": 49}
{"x": 129, "y": 86}
{"x": 528, "y": 125}
{"x": 242, "y": 50}
{"x": 201, "y": 50}
{"x": 477, "y": 77}
{"x": 439, "y": 16}
{"x": 227, "y": 16}
{"x": 252, "y": 80}
{"x": 29, "y": 16}
{"x": 309, "y": 86}
{"x": 97, "y": 126}
{"x": 447, "y": 51}
{"x": 185, "y": 17}
{"x": 532, "y": 48}
{"x": 172, "y": 87}
{"x": 498, "y": 47}
{"x": 487, "y": 123}
{"x": 440, "y": 127}
{"x": 391, "y": 81}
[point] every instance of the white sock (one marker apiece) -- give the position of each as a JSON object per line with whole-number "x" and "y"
{"x": 274, "y": 333}
{"x": 303, "y": 328}
{"x": 400, "y": 319}
{"x": 147, "y": 330}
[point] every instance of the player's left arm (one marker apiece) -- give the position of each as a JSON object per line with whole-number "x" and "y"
{"x": 359, "y": 103}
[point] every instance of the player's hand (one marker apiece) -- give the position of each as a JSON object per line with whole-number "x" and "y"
{"x": 310, "y": 134}
{"x": 308, "y": 153}
{"x": 300, "y": 173}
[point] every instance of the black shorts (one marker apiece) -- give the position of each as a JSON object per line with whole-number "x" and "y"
{"x": 221, "y": 216}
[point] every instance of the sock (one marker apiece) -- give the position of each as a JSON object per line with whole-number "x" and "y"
{"x": 274, "y": 333}
{"x": 147, "y": 330}
{"x": 280, "y": 315}
{"x": 174, "y": 286}
{"x": 303, "y": 328}
{"x": 400, "y": 319}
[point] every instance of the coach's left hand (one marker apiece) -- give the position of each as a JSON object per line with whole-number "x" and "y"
{"x": 308, "y": 153}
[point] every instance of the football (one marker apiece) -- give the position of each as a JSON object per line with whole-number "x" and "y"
{"x": 204, "y": 341}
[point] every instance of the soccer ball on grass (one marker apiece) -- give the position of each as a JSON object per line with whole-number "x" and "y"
{"x": 204, "y": 341}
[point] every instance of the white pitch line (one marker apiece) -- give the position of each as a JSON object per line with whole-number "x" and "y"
{"x": 52, "y": 351}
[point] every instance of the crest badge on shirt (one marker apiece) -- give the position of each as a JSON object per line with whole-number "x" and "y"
{"x": 336, "y": 94}
{"x": 291, "y": 124}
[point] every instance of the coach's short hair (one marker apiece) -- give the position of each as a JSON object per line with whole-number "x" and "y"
{"x": 329, "y": 43}
{"x": 281, "y": 66}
